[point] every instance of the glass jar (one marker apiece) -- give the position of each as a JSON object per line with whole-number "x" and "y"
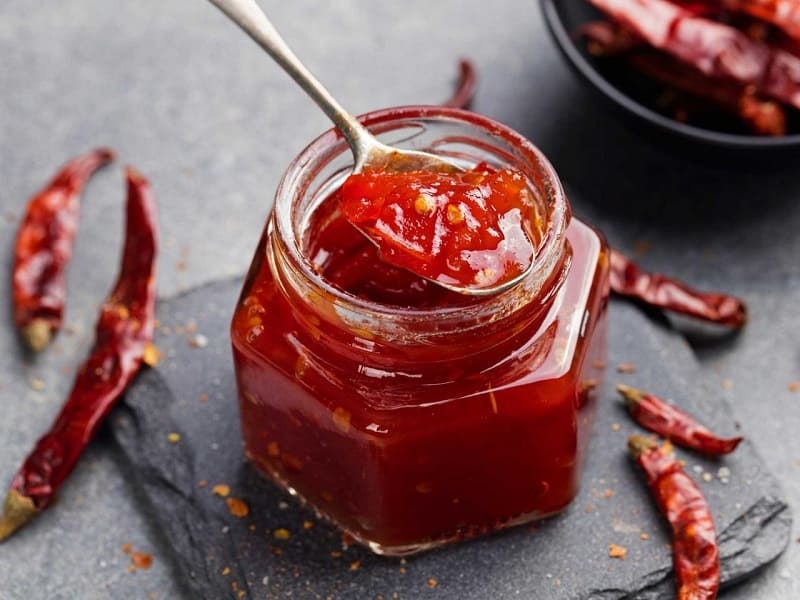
{"x": 412, "y": 426}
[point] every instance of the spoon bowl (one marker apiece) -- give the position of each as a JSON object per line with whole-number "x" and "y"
{"x": 368, "y": 152}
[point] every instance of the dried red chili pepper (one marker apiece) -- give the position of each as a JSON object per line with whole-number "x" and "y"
{"x": 715, "y": 49}
{"x": 653, "y": 413}
{"x": 44, "y": 247}
{"x": 763, "y": 117}
{"x": 604, "y": 38}
{"x": 694, "y": 540}
{"x": 657, "y": 290}
{"x": 784, "y": 14}
{"x": 466, "y": 86}
{"x": 123, "y": 331}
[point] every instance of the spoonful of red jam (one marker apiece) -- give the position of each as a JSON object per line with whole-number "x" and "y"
{"x": 465, "y": 231}
{"x": 462, "y": 230}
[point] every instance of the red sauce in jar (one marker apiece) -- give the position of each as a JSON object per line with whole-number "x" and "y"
{"x": 469, "y": 228}
{"x": 409, "y": 445}
{"x": 407, "y": 414}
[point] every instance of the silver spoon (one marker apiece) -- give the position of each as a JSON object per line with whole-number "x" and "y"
{"x": 367, "y": 150}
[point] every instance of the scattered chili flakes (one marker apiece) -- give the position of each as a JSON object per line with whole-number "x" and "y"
{"x": 308, "y": 525}
{"x": 347, "y": 540}
{"x": 222, "y": 490}
{"x": 432, "y": 583}
{"x": 141, "y": 560}
{"x": 291, "y": 462}
{"x": 281, "y": 534}
{"x": 794, "y": 386}
{"x": 644, "y": 536}
{"x": 273, "y": 450}
{"x": 151, "y": 354}
{"x": 174, "y": 438}
{"x": 616, "y": 427}
{"x": 37, "y": 384}
{"x": 203, "y": 398}
{"x": 626, "y": 368}
{"x": 588, "y": 508}
{"x": 608, "y": 493}
{"x": 341, "y": 418}
{"x": 127, "y": 548}
{"x": 615, "y": 551}
{"x": 493, "y": 400}
{"x": 237, "y": 507}
{"x": 403, "y": 570}
{"x": 198, "y": 341}
{"x": 202, "y": 483}
{"x": 226, "y": 571}
{"x": 336, "y": 554}
{"x": 355, "y": 565}
{"x": 727, "y": 384}
{"x": 424, "y": 204}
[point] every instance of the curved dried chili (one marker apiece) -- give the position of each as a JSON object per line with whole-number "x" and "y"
{"x": 694, "y": 540}
{"x": 466, "y": 86}
{"x": 123, "y": 331}
{"x": 657, "y": 290}
{"x": 44, "y": 247}
{"x": 656, "y": 415}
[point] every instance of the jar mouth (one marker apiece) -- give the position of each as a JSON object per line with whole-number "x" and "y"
{"x": 403, "y": 126}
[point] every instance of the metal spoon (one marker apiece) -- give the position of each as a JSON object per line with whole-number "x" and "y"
{"x": 367, "y": 150}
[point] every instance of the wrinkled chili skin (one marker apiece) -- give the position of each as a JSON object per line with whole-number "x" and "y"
{"x": 694, "y": 539}
{"x": 716, "y": 49}
{"x": 764, "y": 117}
{"x": 784, "y": 14}
{"x": 656, "y": 415}
{"x": 466, "y": 86}
{"x": 44, "y": 247}
{"x": 124, "y": 328}
{"x": 657, "y": 290}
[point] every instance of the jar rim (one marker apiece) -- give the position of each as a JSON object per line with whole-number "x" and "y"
{"x": 548, "y": 251}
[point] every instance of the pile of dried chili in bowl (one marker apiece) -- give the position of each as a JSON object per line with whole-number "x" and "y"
{"x": 724, "y": 73}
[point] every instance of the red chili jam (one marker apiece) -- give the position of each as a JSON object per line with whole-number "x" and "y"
{"x": 407, "y": 414}
{"x": 464, "y": 228}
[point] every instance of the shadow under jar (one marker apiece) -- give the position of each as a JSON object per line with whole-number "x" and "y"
{"x": 408, "y": 415}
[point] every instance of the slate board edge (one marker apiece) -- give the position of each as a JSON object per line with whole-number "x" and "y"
{"x": 776, "y": 527}
{"x": 777, "y": 521}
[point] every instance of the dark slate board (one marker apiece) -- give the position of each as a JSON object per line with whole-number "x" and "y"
{"x": 565, "y": 557}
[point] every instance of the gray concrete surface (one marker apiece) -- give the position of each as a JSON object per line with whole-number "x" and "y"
{"x": 200, "y": 110}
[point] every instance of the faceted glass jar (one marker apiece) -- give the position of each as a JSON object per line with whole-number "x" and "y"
{"x": 412, "y": 427}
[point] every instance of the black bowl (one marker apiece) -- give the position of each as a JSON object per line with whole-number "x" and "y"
{"x": 632, "y": 92}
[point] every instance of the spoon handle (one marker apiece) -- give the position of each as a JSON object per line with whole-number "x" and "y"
{"x": 247, "y": 15}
